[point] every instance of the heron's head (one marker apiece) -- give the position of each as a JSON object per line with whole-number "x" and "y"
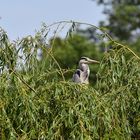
{"x": 86, "y": 60}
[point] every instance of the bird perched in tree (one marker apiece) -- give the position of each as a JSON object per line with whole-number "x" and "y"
{"x": 81, "y": 75}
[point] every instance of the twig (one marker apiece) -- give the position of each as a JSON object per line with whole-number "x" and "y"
{"x": 98, "y": 28}
{"x": 22, "y": 80}
{"x": 127, "y": 49}
{"x": 60, "y": 69}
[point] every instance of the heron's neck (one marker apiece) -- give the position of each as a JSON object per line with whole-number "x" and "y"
{"x": 83, "y": 67}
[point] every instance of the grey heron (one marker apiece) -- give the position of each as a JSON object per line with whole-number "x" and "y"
{"x": 81, "y": 75}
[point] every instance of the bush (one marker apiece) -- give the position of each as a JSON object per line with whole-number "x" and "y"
{"x": 37, "y": 103}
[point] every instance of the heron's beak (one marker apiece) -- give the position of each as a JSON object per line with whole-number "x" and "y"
{"x": 93, "y": 61}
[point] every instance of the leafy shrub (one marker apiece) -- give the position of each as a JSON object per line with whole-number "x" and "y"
{"x": 37, "y": 103}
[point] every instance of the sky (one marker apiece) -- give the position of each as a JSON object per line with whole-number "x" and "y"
{"x": 20, "y": 18}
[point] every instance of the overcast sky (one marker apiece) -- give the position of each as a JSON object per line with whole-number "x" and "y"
{"x": 21, "y": 17}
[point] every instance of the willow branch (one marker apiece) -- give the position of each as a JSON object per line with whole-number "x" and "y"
{"x": 98, "y": 28}
{"x": 22, "y": 80}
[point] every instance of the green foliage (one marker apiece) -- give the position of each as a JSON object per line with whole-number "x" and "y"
{"x": 122, "y": 26}
{"x": 7, "y": 52}
{"x": 123, "y": 18}
{"x": 36, "y": 102}
{"x": 119, "y": 81}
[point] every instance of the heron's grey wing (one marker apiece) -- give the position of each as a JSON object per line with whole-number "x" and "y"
{"x": 76, "y": 76}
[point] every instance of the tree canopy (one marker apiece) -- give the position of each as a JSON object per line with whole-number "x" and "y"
{"x": 122, "y": 18}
